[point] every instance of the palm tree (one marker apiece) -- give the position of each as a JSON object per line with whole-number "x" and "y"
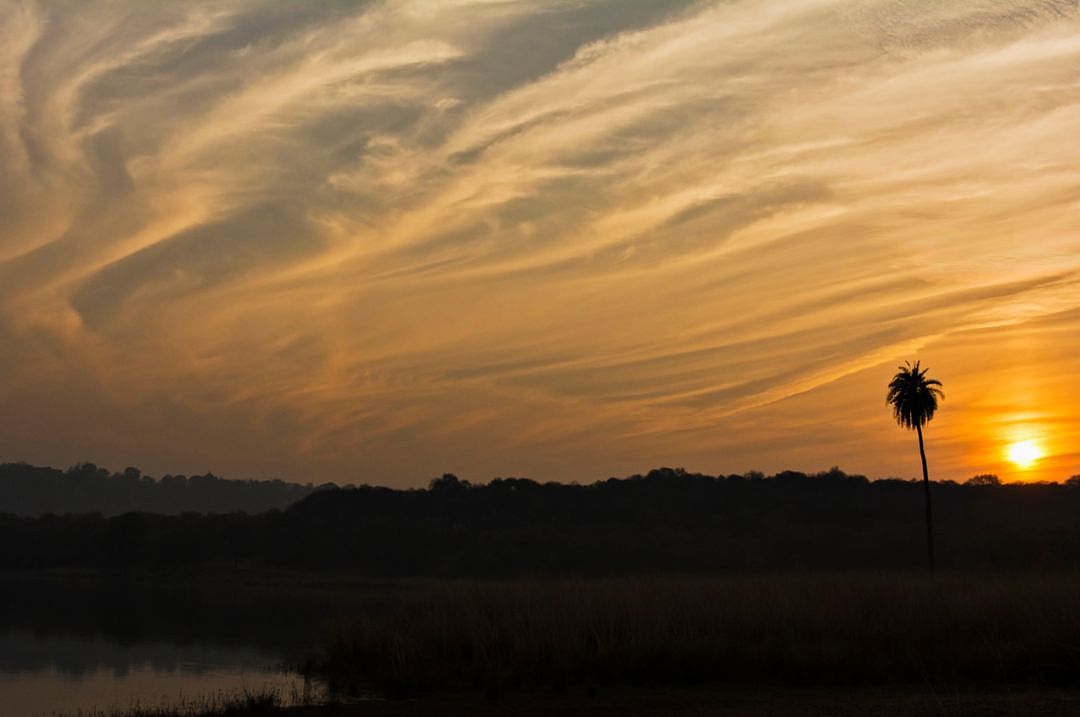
{"x": 914, "y": 399}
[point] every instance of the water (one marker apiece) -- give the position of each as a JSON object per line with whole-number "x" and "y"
{"x": 46, "y": 675}
{"x": 84, "y": 644}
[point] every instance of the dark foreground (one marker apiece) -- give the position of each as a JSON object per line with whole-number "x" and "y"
{"x": 701, "y": 702}
{"x": 802, "y": 644}
{"x": 718, "y": 704}
{"x": 951, "y": 633}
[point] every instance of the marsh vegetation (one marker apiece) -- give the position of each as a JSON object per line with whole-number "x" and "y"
{"x": 840, "y": 630}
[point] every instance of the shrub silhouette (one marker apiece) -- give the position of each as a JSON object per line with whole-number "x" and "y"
{"x": 983, "y": 479}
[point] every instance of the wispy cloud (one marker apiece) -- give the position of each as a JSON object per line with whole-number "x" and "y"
{"x": 379, "y": 240}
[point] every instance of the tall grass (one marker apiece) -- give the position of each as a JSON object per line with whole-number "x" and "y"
{"x": 846, "y": 629}
{"x": 244, "y": 704}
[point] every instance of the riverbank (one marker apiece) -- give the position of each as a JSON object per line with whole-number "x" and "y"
{"x": 816, "y": 644}
{"x": 699, "y": 702}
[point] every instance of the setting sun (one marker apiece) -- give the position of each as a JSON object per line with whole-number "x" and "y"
{"x": 1025, "y": 453}
{"x": 676, "y": 348}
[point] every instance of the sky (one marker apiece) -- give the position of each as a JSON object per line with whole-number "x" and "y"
{"x": 379, "y": 241}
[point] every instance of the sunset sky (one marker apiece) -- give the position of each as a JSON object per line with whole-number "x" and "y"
{"x": 377, "y": 241}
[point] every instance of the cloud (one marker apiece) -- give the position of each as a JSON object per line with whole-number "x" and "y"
{"x": 566, "y": 239}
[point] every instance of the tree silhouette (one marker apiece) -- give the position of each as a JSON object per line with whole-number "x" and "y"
{"x": 983, "y": 479}
{"x": 914, "y": 400}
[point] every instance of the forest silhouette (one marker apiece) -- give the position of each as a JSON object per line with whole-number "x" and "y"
{"x": 667, "y": 521}
{"x": 87, "y": 488}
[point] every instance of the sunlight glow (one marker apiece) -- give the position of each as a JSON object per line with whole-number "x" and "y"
{"x": 1025, "y": 453}
{"x": 373, "y": 242}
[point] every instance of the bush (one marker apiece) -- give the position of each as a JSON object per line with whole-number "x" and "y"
{"x": 983, "y": 479}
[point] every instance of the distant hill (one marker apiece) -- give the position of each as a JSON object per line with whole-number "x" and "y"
{"x": 668, "y": 521}
{"x": 27, "y": 490}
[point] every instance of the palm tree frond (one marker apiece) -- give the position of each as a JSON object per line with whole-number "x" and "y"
{"x": 912, "y": 396}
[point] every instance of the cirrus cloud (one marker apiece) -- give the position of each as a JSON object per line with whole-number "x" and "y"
{"x": 376, "y": 240}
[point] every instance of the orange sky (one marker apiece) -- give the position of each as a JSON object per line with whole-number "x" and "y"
{"x": 378, "y": 241}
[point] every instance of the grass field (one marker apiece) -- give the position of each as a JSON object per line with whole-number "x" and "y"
{"x": 683, "y": 702}
{"x": 942, "y": 633}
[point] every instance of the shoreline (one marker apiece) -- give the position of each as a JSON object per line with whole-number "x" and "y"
{"x": 716, "y": 701}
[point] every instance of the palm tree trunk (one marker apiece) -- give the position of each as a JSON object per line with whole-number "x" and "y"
{"x": 929, "y": 514}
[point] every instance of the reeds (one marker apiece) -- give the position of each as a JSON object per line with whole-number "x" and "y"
{"x": 812, "y": 629}
{"x": 243, "y": 704}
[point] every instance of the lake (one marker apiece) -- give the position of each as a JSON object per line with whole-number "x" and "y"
{"x": 84, "y": 643}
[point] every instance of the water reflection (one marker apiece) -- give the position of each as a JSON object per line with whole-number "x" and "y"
{"x": 50, "y": 691}
{"x": 81, "y": 643}
{"x": 24, "y": 652}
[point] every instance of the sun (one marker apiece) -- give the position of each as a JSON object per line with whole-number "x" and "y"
{"x": 1025, "y": 453}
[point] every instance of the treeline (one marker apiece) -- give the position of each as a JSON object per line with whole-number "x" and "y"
{"x": 668, "y": 521}
{"x": 86, "y": 488}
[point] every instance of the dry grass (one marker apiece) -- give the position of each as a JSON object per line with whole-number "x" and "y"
{"x": 244, "y": 704}
{"x": 840, "y": 630}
